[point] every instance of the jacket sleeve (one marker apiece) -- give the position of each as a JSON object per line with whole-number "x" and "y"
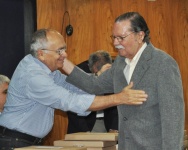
{"x": 171, "y": 104}
{"x": 90, "y": 83}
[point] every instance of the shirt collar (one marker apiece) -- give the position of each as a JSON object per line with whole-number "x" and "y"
{"x": 43, "y": 66}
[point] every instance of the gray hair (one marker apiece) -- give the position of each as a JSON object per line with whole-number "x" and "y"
{"x": 38, "y": 41}
{"x": 4, "y": 79}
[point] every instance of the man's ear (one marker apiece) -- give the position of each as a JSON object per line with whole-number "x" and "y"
{"x": 40, "y": 55}
{"x": 141, "y": 36}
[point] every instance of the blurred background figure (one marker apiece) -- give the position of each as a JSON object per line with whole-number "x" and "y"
{"x": 100, "y": 121}
{"x": 4, "y": 82}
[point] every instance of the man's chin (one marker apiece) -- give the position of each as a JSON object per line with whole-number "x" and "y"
{"x": 121, "y": 53}
{"x": 60, "y": 66}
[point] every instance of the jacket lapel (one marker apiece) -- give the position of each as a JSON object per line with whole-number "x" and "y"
{"x": 119, "y": 77}
{"x": 142, "y": 65}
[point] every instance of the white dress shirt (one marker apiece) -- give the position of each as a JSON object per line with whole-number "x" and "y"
{"x": 131, "y": 64}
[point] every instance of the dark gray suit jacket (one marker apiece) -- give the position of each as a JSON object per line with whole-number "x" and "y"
{"x": 158, "y": 124}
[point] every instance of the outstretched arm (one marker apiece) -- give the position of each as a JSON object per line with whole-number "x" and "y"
{"x": 127, "y": 96}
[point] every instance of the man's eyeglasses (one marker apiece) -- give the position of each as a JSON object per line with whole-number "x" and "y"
{"x": 59, "y": 51}
{"x": 120, "y": 38}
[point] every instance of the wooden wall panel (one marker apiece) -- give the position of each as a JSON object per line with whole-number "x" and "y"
{"x": 92, "y": 28}
{"x": 50, "y": 14}
{"x": 59, "y": 129}
{"x": 92, "y": 21}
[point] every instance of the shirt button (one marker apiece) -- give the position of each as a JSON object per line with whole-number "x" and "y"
{"x": 125, "y": 119}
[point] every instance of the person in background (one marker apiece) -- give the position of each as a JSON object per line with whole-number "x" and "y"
{"x": 4, "y": 82}
{"x": 105, "y": 120}
{"x": 158, "y": 124}
{"x": 37, "y": 87}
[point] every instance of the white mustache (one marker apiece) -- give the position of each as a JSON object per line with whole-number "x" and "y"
{"x": 119, "y": 47}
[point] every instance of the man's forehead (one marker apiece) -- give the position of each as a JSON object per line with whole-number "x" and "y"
{"x": 4, "y": 85}
{"x": 122, "y": 26}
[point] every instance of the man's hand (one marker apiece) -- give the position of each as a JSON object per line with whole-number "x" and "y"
{"x": 68, "y": 66}
{"x": 132, "y": 97}
{"x": 103, "y": 69}
{"x": 127, "y": 96}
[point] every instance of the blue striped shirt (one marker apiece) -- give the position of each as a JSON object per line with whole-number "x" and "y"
{"x": 33, "y": 94}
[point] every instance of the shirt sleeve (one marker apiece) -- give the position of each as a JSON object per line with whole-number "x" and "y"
{"x": 52, "y": 90}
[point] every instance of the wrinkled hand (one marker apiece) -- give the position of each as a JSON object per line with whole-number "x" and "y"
{"x": 132, "y": 97}
{"x": 104, "y": 68}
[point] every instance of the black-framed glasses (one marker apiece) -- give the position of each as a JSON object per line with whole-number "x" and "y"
{"x": 120, "y": 38}
{"x": 59, "y": 51}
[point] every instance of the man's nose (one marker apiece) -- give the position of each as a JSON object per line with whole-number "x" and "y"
{"x": 115, "y": 42}
{"x": 64, "y": 54}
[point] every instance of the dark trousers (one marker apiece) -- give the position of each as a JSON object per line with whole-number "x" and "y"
{"x": 8, "y": 143}
{"x": 10, "y": 139}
